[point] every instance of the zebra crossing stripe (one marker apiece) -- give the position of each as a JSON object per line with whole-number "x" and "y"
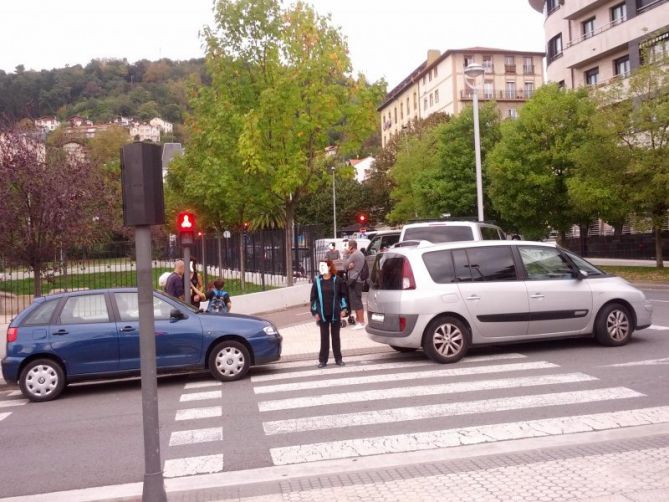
{"x": 196, "y": 436}
{"x": 198, "y": 413}
{"x": 190, "y": 466}
{"x": 329, "y": 422}
{"x": 449, "y": 438}
{"x": 394, "y": 377}
{"x": 427, "y": 390}
{"x": 15, "y": 402}
{"x": 201, "y": 396}
{"x": 3, "y": 416}
{"x": 389, "y": 357}
{"x": 201, "y": 385}
{"x": 15, "y": 393}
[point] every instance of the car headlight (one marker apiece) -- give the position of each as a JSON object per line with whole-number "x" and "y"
{"x": 269, "y": 330}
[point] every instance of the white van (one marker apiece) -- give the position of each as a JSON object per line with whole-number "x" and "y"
{"x": 322, "y": 246}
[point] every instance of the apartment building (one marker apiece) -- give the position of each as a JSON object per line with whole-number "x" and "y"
{"x": 438, "y": 85}
{"x": 591, "y": 42}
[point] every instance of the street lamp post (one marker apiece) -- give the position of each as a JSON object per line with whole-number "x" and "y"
{"x": 334, "y": 205}
{"x": 472, "y": 71}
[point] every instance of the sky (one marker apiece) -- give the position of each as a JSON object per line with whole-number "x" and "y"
{"x": 387, "y": 38}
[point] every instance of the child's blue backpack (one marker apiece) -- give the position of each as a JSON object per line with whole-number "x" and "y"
{"x": 217, "y": 303}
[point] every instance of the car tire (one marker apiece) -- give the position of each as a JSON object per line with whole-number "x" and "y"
{"x": 446, "y": 339}
{"x": 229, "y": 360}
{"x": 403, "y": 349}
{"x": 42, "y": 380}
{"x": 614, "y": 325}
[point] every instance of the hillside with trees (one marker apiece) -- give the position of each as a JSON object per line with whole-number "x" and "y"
{"x": 101, "y": 90}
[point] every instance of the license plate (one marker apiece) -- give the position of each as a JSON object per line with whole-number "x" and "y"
{"x": 377, "y": 317}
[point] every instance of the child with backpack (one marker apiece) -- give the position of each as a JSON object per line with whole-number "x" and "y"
{"x": 219, "y": 300}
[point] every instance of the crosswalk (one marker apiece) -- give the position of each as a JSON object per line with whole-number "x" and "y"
{"x": 392, "y": 403}
{"x": 9, "y": 400}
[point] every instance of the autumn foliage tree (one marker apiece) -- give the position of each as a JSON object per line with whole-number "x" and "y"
{"x": 48, "y": 200}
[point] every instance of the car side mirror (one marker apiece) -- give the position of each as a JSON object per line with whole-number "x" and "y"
{"x": 580, "y": 274}
{"x": 176, "y": 314}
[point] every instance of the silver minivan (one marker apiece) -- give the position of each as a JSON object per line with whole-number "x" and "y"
{"x": 444, "y": 298}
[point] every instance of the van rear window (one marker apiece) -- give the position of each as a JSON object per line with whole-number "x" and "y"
{"x": 387, "y": 272}
{"x": 439, "y": 233}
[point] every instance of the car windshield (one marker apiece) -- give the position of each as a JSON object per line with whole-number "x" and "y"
{"x": 584, "y": 265}
{"x": 439, "y": 233}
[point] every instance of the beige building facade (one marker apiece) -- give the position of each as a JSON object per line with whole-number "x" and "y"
{"x": 438, "y": 85}
{"x": 592, "y": 42}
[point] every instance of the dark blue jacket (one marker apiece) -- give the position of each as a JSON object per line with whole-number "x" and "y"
{"x": 339, "y": 299}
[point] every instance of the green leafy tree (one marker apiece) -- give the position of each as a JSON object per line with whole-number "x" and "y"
{"x": 530, "y": 167}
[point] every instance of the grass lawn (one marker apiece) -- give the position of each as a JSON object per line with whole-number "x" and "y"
{"x": 639, "y": 274}
{"x": 99, "y": 280}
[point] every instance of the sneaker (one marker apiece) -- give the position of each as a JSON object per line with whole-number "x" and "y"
{"x": 358, "y": 326}
{"x": 340, "y": 363}
{"x": 322, "y": 365}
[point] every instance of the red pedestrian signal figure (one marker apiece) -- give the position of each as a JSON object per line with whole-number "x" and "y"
{"x": 186, "y": 222}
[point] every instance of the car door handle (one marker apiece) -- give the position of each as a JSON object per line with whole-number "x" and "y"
{"x": 61, "y": 332}
{"x": 537, "y": 295}
{"x": 473, "y": 297}
{"x": 127, "y": 329}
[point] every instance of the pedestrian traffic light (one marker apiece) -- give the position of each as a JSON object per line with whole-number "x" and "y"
{"x": 186, "y": 222}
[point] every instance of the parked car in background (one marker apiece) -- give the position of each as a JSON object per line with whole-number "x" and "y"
{"x": 451, "y": 231}
{"x": 381, "y": 242}
{"x": 94, "y": 334}
{"x": 444, "y": 298}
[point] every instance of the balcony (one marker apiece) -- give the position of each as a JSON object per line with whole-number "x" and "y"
{"x": 589, "y": 34}
{"x": 509, "y": 68}
{"x": 490, "y": 68}
{"x": 467, "y": 95}
{"x": 517, "y": 95}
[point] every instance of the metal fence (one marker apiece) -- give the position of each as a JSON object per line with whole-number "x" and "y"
{"x": 113, "y": 265}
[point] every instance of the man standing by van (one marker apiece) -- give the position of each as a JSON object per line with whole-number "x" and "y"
{"x": 353, "y": 264}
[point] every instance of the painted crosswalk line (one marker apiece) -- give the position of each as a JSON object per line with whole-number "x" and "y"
{"x": 3, "y": 416}
{"x": 201, "y": 385}
{"x": 441, "y": 372}
{"x": 423, "y": 390}
{"x": 15, "y": 393}
{"x": 656, "y": 327}
{"x": 15, "y": 402}
{"x": 389, "y": 357}
{"x": 329, "y": 422}
{"x": 201, "y": 396}
{"x": 207, "y": 464}
{"x": 469, "y": 435}
{"x": 198, "y": 413}
{"x": 206, "y": 435}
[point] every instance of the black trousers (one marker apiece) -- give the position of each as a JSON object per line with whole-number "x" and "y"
{"x": 326, "y": 328}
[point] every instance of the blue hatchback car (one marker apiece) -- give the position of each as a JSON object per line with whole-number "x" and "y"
{"x": 87, "y": 335}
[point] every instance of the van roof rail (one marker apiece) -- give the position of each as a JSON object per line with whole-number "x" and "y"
{"x": 452, "y": 218}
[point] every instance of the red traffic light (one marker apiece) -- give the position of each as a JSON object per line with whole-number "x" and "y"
{"x": 186, "y": 222}
{"x": 362, "y": 219}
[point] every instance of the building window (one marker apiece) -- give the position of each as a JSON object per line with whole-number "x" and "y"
{"x": 487, "y": 64}
{"x": 431, "y": 100}
{"x": 528, "y": 65}
{"x": 509, "y": 64}
{"x": 512, "y": 113}
{"x": 561, "y": 84}
{"x": 401, "y": 110}
{"x": 429, "y": 76}
{"x": 529, "y": 89}
{"x": 424, "y": 80}
{"x": 592, "y": 76}
{"x": 415, "y": 101}
{"x": 435, "y": 72}
{"x": 395, "y": 112}
{"x": 619, "y": 13}
{"x": 424, "y": 103}
{"x": 510, "y": 90}
{"x": 468, "y": 60}
{"x": 655, "y": 49}
{"x": 551, "y": 6}
{"x": 588, "y": 27}
{"x": 436, "y": 96}
{"x": 643, "y": 4}
{"x": 621, "y": 67}
{"x": 408, "y": 106}
{"x": 555, "y": 47}
{"x": 488, "y": 89}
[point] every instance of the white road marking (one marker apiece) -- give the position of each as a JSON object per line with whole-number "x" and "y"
{"x": 201, "y": 396}
{"x": 189, "y": 466}
{"x": 15, "y": 393}
{"x": 15, "y": 402}
{"x": 427, "y": 390}
{"x": 196, "y": 436}
{"x": 392, "y": 415}
{"x": 395, "y": 377}
{"x": 390, "y": 357}
{"x": 647, "y": 362}
{"x": 656, "y": 327}
{"x": 197, "y": 413}
{"x": 3, "y": 416}
{"x": 200, "y": 385}
{"x": 469, "y": 435}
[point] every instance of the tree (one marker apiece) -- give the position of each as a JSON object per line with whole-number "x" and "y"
{"x": 530, "y": 167}
{"x": 633, "y": 119}
{"x": 49, "y": 200}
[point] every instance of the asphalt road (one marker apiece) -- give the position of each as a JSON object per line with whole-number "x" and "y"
{"x": 92, "y": 435}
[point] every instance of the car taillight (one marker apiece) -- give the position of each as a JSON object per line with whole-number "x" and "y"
{"x": 403, "y": 323}
{"x": 408, "y": 281}
{"x": 12, "y": 334}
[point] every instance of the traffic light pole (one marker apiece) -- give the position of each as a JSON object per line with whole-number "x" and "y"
{"x": 186, "y": 243}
